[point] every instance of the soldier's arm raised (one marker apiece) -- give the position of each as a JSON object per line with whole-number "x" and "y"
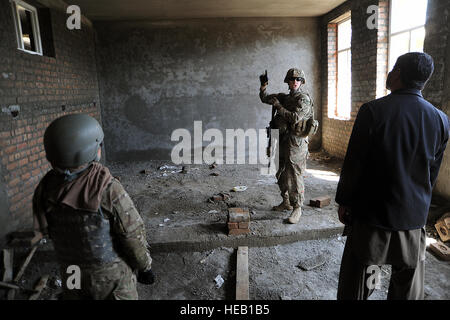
{"x": 128, "y": 227}
{"x": 268, "y": 98}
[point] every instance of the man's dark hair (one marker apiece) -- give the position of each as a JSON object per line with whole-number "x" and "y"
{"x": 415, "y": 69}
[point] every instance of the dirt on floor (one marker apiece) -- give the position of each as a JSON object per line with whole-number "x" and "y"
{"x": 172, "y": 199}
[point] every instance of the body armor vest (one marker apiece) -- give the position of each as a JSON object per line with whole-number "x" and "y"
{"x": 80, "y": 237}
{"x": 303, "y": 128}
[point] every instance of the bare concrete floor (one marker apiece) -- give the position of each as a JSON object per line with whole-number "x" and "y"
{"x": 190, "y": 246}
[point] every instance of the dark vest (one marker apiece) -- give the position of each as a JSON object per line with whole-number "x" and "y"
{"x": 80, "y": 237}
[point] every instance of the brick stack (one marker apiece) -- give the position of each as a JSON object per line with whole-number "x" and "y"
{"x": 238, "y": 221}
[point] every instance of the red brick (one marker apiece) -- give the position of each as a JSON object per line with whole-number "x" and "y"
{"x": 244, "y": 225}
{"x": 23, "y": 162}
{"x": 233, "y": 225}
{"x": 238, "y": 231}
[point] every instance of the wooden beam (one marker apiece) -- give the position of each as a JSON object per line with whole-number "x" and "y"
{"x": 12, "y": 292}
{"x": 14, "y": 287}
{"x": 242, "y": 282}
{"x": 25, "y": 264}
{"x": 39, "y": 287}
{"x": 8, "y": 258}
{"x": 9, "y": 285}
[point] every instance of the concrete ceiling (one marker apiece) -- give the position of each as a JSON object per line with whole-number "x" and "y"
{"x": 184, "y": 9}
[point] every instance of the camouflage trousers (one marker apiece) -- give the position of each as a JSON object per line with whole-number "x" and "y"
{"x": 293, "y": 152}
{"x": 115, "y": 281}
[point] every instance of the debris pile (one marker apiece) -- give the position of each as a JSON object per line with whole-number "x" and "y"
{"x": 11, "y": 282}
{"x": 222, "y": 196}
{"x": 312, "y": 263}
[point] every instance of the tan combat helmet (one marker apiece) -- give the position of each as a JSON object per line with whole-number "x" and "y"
{"x": 294, "y": 73}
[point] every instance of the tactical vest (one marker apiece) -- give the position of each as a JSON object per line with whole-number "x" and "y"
{"x": 304, "y": 127}
{"x": 80, "y": 237}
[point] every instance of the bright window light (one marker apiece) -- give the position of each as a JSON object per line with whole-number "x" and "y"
{"x": 324, "y": 175}
{"x": 407, "y": 28}
{"x": 344, "y": 69}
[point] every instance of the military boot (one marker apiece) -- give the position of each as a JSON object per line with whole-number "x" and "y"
{"x": 295, "y": 215}
{"x": 285, "y": 205}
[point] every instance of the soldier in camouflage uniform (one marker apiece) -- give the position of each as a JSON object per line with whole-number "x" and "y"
{"x": 295, "y": 121}
{"x": 90, "y": 218}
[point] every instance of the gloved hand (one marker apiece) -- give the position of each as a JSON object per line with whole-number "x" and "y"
{"x": 264, "y": 79}
{"x": 146, "y": 277}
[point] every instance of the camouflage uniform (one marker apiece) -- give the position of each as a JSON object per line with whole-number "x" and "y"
{"x": 110, "y": 244}
{"x": 291, "y": 120}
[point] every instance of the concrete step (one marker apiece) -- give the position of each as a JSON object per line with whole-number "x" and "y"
{"x": 313, "y": 225}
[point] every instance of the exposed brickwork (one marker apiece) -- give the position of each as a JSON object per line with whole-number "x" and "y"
{"x": 333, "y": 130}
{"x": 370, "y": 68}
{"x": 368, "y": 48}
{"x": 44, "y": 88}
{"x": 332, "y": 67}
{"x": 437, "y": 91}
{"x": 382, "y": 47}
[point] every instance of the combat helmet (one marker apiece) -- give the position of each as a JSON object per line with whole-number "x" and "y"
{"x": 72, "y": 140}
{"x": 294, "y": 73}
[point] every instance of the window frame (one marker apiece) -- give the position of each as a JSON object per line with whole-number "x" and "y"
{"x": 34, "y": 26}
{"x": 390, "y": 35}
{"x": 336, "y": 108}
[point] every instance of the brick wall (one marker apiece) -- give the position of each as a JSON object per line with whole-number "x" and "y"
{"x": 382, "y": 47}
{"x": 369, "y": 68}
{"x": 334, "y": 131}
{"x": 44, "y": 88}
{"x": 332, "y": 68}
{"x": 437, "y": 91}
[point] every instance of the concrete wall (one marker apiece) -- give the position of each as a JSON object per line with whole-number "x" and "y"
{"x": 437, "y": 44}
{"x": 44, "y": 87}
{"x": 156, "y": 77}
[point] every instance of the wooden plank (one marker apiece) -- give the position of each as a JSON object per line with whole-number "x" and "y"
{"x": 14, "y": 287}
{"x": 25, "y": 264}
{"x": 9, "y": 285}
{"x": 12, "y": 292}
{"x": 443, "y": 231}
{"x": 39, "y": 287}
{"x": 8, "y": 258}
{"x": 441, "y": 250}
{"x": 242, "y": 282}
{"x": 443, "y": 227}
